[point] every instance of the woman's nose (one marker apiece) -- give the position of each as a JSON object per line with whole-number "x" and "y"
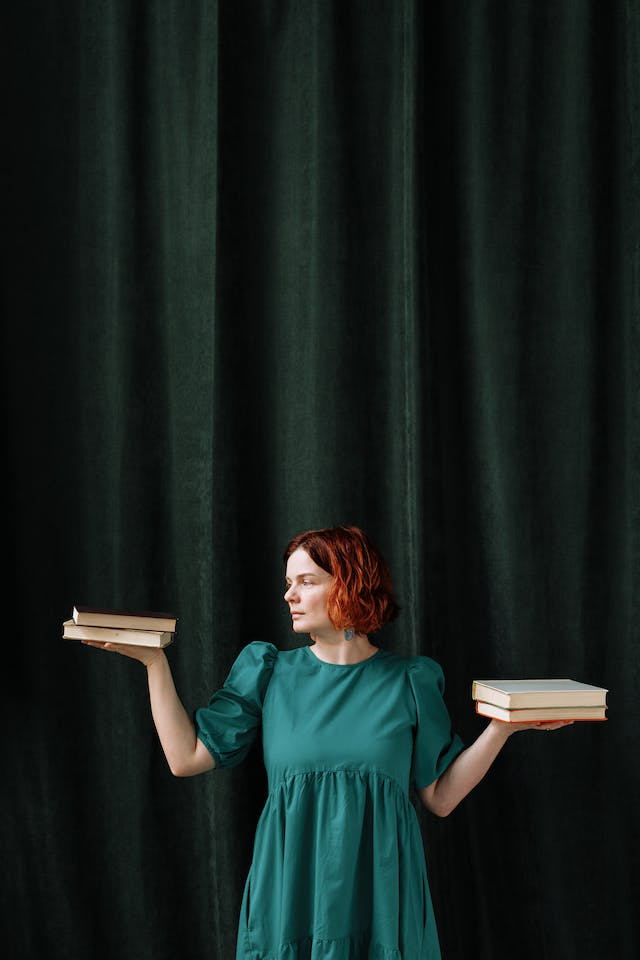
{"x": 289, "y": 593}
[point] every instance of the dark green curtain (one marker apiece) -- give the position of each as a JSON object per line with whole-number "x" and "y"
{"x": 278, "y": 265}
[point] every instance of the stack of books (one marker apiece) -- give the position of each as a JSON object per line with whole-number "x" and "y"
{"x": 142, "y": 627}
{"x": 515, "y": 701}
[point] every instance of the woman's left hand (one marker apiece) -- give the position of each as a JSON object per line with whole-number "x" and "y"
{"x": 509, "y": 728}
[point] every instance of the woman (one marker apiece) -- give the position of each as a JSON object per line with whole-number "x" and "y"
{"x": 338, "y": 868}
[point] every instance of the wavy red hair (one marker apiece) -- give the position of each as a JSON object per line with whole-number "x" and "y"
{"x": 361, "y": 598}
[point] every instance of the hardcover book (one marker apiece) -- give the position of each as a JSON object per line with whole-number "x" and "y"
{"x": 134, "y": 619}
{"x": 513, "y": 694}
{"x": 547, "y": 714}
{"x": 144, "y": 638}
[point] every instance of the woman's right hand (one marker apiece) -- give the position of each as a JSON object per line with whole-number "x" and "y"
{"x": 146, "y": 655}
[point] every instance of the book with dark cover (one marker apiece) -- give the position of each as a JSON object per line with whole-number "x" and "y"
{"x": 133, "y": 619}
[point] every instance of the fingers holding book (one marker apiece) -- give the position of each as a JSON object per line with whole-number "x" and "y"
{"x": 140, "y": 635}
{"x": 507, "y": 728}
{"x": 555, "y": 725}
{"x": 539, "y": 704}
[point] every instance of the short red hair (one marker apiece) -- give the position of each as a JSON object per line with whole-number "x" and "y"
{"x": 361, "y": 598}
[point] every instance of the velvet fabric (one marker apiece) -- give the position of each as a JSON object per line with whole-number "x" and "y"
{"x": 271, "y": 266}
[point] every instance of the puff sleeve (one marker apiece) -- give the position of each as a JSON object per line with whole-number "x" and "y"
{"x": 229, "y": 724}
{"x": 435, "y": 745}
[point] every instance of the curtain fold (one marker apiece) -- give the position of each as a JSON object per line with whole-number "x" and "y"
{"x": 271, "y": 266}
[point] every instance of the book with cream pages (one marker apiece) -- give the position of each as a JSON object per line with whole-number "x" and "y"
{"x": 143, "y": 638}
{"x": 544, "y": 714}
{"x": 524, "y": 693}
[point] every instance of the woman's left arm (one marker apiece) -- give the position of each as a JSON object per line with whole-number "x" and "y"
{"x": 467, "y": 770}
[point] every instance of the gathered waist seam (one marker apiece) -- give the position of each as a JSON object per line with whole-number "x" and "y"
{"x": 354, "y": 770}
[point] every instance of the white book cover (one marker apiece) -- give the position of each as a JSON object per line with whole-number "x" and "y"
{"x": 539, "y": 692}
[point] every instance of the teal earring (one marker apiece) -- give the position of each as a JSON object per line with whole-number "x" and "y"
{"x": 348, "y": 634}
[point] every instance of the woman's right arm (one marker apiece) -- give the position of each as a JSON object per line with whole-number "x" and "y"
{"x": 185, "y": 753}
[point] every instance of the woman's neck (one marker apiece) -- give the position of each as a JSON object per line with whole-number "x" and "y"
{"x": 335, "y": 649}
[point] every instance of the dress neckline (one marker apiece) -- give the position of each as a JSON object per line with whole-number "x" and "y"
{"x": 341, "y": 666}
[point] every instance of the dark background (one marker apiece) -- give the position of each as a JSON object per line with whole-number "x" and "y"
{"x": 277, "y": 265}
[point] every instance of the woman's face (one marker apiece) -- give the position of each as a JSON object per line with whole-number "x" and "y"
{"x": 308, "y": 587}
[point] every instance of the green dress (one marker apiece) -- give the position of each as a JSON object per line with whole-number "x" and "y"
{"x": 338, "y": 869}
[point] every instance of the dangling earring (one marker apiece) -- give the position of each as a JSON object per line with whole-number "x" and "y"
{"x": 348, "y": 634}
